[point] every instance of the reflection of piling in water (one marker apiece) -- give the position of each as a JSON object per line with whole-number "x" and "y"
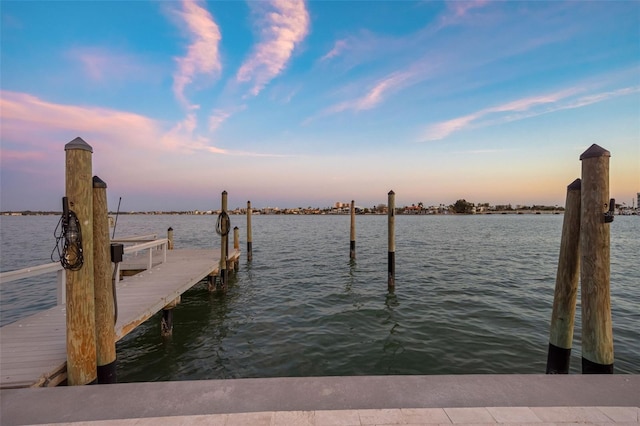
{"x": 352, "y": 243}
{"x": 391, "y": 215}
{"x": 597, "y": 333}
{"x": 566, "y": 290}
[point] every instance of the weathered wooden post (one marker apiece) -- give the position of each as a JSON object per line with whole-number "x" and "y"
{"x": 249, "y": 238}
{"x": 391, "y": 215}
{"x": 597, "y": 330}
{"x": 166, "y": 323}
{"x": 170, "y": 238}
{"x": 80, "y": 300}
{"x": 236, "y": 246}
{"x": 352, "y": 242}
{"x": 104, "y": 300}
{"x": 566, "y": 290}
{"x": 223, "y": 231}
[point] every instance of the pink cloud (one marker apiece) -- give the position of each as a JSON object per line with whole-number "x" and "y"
{"x": 33, "y": 123}
{"x": 202, "y": 54}
{"x": 283, "y": 27}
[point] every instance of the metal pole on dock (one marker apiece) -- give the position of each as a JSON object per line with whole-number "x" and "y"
{"x": 352, "y": 242}
{"x": 249, "y": 238}
{"x": 566, "y": 290}
{"x": 597, "y": 332}
{"x": 80, "y": 300}
{"x": 224, "y": 232}
{"x": 391, "y": 215}
{"x": 104, "y": 297}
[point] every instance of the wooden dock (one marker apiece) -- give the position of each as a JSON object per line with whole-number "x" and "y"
{"x": 33, "y": 349}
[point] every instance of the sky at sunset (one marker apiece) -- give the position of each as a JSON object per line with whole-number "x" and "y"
{"x": 290, "y": 103}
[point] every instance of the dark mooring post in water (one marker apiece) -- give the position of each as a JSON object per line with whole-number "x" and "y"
{"x": 352, "y": 241}
{"x": 249, "y": 238}
{"x": 223, "y": 231}
{"x": 104, "y": 297}
{"x": 80, "y": 300}
{"x": 595, "y": 215}
{"x": 391, "y": 215}
{"x": 566, "y": 290}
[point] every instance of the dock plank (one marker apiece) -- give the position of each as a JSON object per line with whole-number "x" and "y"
{"x": 33, "y": 349}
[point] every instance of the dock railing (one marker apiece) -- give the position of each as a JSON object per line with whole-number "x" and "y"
{"x": 140, "y": 243}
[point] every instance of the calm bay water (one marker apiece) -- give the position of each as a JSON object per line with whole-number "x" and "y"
{"x": 473, "y": 295}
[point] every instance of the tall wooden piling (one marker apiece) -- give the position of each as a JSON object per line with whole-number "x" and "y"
{"x": 104, "y": 300}
{"x": 224, "y": 241}
{"x": 352, "y": 241}
{"x": 391, "y": 215}
{"x": 170, "y": 238}
{"x": 249, "y": 238}
{"x": 80, "y": 299}
{"x": 597, "y": 332}
{"x": 236, "y": 246}
{"x": 566, "y": 290}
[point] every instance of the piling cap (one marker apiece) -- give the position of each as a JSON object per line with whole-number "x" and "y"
{"x": 391, "y": 192}
{"x": 576, "y": 185}
{"x": 595, "y": 151}
{"x": 78, "y": 143}
{"x": 99, "y": 183}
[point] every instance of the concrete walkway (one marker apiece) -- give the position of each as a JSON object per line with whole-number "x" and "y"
{"x": 360, "y": 400}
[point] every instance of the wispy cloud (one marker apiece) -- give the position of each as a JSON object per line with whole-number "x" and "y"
{"x": 338, "y": 48}
{"x": 284, "y": 25}
{"x": 521, "y": 109}
{"x": 375, "y": 94}
{"x": 220, "y": 115}
{"x": 202, "y": 56}
{"x": 101, "y": 64}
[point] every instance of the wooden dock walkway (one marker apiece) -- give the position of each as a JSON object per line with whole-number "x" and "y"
{"x": 33, "y": 349}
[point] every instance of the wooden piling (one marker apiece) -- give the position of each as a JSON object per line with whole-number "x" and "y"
{"x": 236, "y": 246}
{"x": 166, "y": 323}
{"x": 566, "y": 290}
{"x": 80, "y": 299}
{"x": 352, "y": 242}
{"x": 391, "y": 215}
{"x": 104, "y": 300}
{"x": 170, "y": 238}
{"x": 249, "y": 238}
{"x": 224, "y": 241}
{"x": 597, "y": 332}
{"x": 236, "y": 238}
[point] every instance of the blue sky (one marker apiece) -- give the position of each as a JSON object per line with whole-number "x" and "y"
{"x": 292, "y": 103}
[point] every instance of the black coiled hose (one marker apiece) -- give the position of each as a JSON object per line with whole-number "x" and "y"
{"x": 223, "y": 224}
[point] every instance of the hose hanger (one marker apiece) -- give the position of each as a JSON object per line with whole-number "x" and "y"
{"x": 68, "y": 235}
